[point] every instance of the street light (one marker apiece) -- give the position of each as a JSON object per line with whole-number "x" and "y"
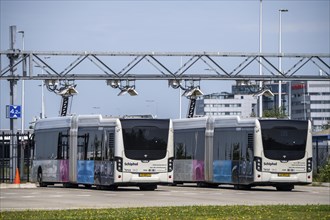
{"x": 304, "y": 95}
{"x": 127, "y": 88}
{"x": 264, "y": 92}
{"x": 191, "y": 90}
{"x": 260, "y": 60}
{"x": 280, "y": 58}
{"x": 130, "y": 90}
{"x": 156, "y": 108}
{"x": 42, "y": 115}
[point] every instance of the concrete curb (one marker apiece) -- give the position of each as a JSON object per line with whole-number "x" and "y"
{"x": 18, "y": 186}
{"x": 321, "y": 184}
{"x": 34, "y": 185}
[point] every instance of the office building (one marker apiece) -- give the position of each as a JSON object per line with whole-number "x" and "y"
{"x": 311, "y": 100}
{"x": 225, "y": 103}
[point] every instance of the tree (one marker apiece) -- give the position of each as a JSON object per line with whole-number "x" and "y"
{"x": 326, "y": 125}
{"x": 275, "y": 113}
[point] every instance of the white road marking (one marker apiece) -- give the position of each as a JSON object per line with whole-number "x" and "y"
{"x": 190, "y": 193}
{"x": 25, "y": 197}
{"x": 110, "y": 194}
{"x": 55, "y": 196}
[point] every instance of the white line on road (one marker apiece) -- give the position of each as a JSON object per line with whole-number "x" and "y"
{"x": 110, "y": 194}
{"x": 137, "y": 194}
{"x": 25, "y": 197}
{"x": 55, "y": 196}
{"x": 190, "y": 193}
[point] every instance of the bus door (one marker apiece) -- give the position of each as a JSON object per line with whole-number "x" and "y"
{"x": 63, "y": 156}
{"x": 243, "y": 157}
{"x": 85, "y": 162}
{"x": 104, "y": 167}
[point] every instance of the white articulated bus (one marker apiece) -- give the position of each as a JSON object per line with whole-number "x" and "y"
{"x": 243, "y": 152}
{"x": 103, "y": 151}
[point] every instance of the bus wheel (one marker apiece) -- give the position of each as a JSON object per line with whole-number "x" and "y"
{"x": 88, "y": 186}
{"x": 285, "y": 187}
{"x": 113, "y": 187}
{"x": 70, "y": 185}
{"x": 150, "y": 187}
{"x": 242, "y": 187}
{"x": 99, "y": 187}
{"x": 39, "y": 179}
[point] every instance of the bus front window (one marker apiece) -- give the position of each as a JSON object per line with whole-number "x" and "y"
{"x": 145, "y": 139}
{"x": 285, "y": 140}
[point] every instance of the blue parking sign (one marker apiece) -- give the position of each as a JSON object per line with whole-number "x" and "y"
{"x": 14, "y": 111}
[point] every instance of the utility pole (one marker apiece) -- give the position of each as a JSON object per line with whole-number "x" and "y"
{"x": 12, "y": 85}
{"x": 260, "y": 60}
{"x": 23, "y": 85}
{"x": 280, "y": 58}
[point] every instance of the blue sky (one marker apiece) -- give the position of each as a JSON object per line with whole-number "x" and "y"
{"x": 162, "y": 26}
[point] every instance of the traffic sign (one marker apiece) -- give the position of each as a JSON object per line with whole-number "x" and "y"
{"x": 14, "y": 111}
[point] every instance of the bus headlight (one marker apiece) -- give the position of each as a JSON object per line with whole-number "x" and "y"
{"x": 170, "y": 164}
{"x": 119, "y": 163}
{"x": 258, "y": 163}
{"x": 309, "y": 164}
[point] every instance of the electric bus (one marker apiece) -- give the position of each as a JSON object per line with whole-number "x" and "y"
{"x": 103, "y": 151}
{"x": 243, "y": 152}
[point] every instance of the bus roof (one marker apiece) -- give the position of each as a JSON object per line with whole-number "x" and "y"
{"x": 56, "y": 122}
{"x": 96, "y": 120}
{"x": 217, "y": 121}
{"x": 234, "y": 121}
{"x": 83, "y": 121}
{"x": 189, "y": 123}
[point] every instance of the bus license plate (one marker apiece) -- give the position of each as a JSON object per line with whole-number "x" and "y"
{"x": 145, "y": 175}
{"x": 284, "y": 174}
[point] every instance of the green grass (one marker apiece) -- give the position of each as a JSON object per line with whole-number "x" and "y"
{"x": 185, "y": 212}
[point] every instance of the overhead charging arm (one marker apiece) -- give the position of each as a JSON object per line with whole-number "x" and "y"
{"x": 64, "y": 105}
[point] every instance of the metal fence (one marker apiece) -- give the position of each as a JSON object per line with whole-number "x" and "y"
{"x": 15, "y": 155}
{"x": 321, "y": 154}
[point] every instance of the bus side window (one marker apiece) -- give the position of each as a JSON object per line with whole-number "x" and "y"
{"x": 59, "y": 146}
{"x": 62, "y": 146}
{"x": 98, "y": 146}
{"x": 249, "y": 153}
{"x": 110, "y": 152}
{"x": 82, "y": 146}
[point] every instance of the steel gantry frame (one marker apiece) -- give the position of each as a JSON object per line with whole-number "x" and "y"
{"x": 162, "y": 71}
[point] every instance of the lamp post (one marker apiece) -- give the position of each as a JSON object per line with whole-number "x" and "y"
{"x": 23, "y": 87}
{"x": 42, "y": 114}
{"x": 156, "y": 109}
{"x": 304, "y": 95}
{"x": 260, "y": 60}
{"x": 280, "y": 58}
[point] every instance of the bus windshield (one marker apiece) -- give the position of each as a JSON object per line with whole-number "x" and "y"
{"x": 145, "y": 139}
{"x": 284, "y": 140}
